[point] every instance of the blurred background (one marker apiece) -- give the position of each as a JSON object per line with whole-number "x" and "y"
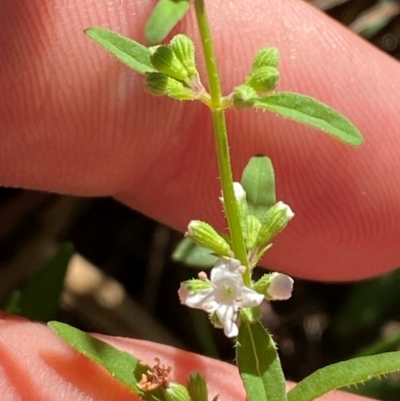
{"x": 121, "y": 279}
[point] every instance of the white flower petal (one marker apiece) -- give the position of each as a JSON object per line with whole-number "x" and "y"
{"x": 224, "y": 269}
{"x": 183, "y": 293}
{"x": 280, "y": 287}
{"x": 239, "y": 191}
{"x": 199, "y": 299}
{"x": 283, "y": 206}
{"x": 234, "y": 265}
{"x": 250, "y": 298}
{"x": 227, "y": 316}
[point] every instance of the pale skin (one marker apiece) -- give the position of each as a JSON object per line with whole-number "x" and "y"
{"x": 74, "y": 120}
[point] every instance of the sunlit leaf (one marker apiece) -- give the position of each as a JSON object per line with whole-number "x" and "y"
{"x": 122, "y": 366}
{"x": 165, "y": 16}
{"x": 341, "y": 374}
{"x": 259, "y": 364}
{"x": 128, "y": 51}
{"x": 309, "y": 111}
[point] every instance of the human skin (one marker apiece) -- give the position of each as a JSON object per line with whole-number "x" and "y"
{"x": 74, "y": 120}
{"x": 65, "y": 375}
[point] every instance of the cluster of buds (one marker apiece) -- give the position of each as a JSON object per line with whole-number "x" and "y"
{"x": 176, "y": 75}
{"x": 262, "y": 77}
{"x": 224, "y": 294}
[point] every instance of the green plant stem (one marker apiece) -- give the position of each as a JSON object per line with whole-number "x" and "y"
{"x": 221, "y": 139}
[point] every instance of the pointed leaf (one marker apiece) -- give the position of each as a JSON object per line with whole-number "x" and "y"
{"x": 258, "y": 180}
{"x": 346, "y": 373}
{"x": 39, "y": 298}
{"x": 259, "y": 364}
{"x": 309, "y": 111}
{"x": 128, "y": 51}
{"x": 193, "y": 255}
{"x": 165, "y": 16}
{"x": 121, "y": 365}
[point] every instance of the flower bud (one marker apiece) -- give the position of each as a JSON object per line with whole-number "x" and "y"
{"x": 156, "y": 83}
{"x": 266, "y": 57}
{"x": 164, "y": 60}
{"x": 263, "y": 79}
{"x": 280, "y": 287}
{"x": 253, "y": 228}
{"x": 275, "y": 286}
{"x": 183, "y": 49}
{"x": 205, "y": 235}
{"x": 244, "y": 97}
{"x": 197, "y": 387}
{"x": 176, "y": 392}
{"x": 192, "y": 286}
{"x": 159, "y": 84}
{"x": 274, "y": 221}
{"x": 241, "y": 201}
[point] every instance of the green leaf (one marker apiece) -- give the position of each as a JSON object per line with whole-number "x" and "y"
{"x": 259, "y": 364}
{"x": 39, "y": 298}
{"x": 346, "y": 373}
{"x": 193, "y": 255}
{"x": 123, "y": 366}
{"x": 258, "y": 180}
{"x": 309, "y": 111}
{"x": 165, "y": 16}
{"x": 128, "y": 51}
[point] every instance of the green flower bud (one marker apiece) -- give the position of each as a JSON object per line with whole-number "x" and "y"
{"x": 183, "y": 49}
{"x": 195, "y": 285}
{"x": 274, "y": 221}
{"x": 253, "y": 227}
{"x": 206, "y": 236}
{"x": 265, "y": 57}
{"x": 263, "y": 79}
{"x": 156, "y": 83}
{"x": 176, "y": 392}
{"x": 164, "y": 60}
{"x": 197, "y": 387}
{"x": 160, "y": 84}
{"x": 244, "y": 97}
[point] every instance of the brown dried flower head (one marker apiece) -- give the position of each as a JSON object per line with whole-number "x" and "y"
{"x": 155, "y": 377}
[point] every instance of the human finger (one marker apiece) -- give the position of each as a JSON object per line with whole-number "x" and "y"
{"x": 35, "y": 365}
{"x": 76, "y": 121}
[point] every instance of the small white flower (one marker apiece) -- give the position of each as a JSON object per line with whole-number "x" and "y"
{"x": 226, "y": 295}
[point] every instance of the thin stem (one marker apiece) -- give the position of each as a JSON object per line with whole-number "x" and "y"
{"x": 221, "y": 139}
